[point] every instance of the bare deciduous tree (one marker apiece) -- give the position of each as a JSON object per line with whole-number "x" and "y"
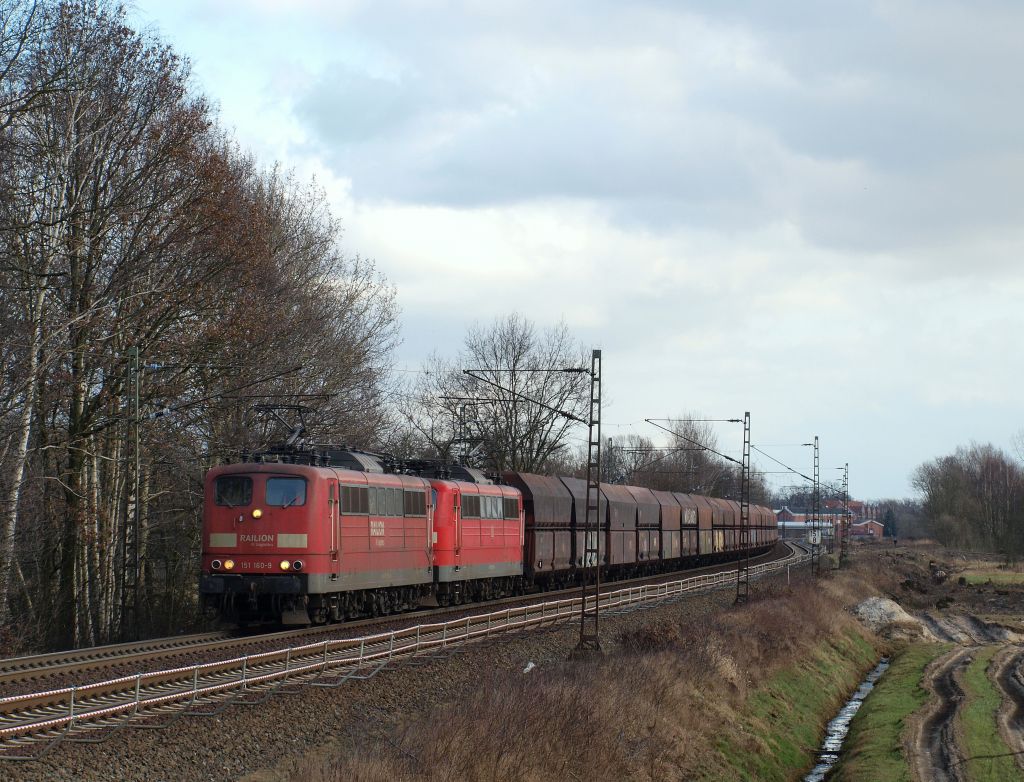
{"x": 129, "y": 221}
{"x": 510, "y": 412}
{"x": 974, "y": 497}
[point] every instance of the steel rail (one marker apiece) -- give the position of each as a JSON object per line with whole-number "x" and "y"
{"x": 58, "y": 713}
{"x": 37, "y": 667}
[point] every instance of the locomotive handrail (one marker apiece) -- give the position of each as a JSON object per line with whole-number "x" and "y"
{"x": 317, "y": 658}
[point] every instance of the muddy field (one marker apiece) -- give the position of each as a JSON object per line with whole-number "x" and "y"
{"x": 971, "y": 727}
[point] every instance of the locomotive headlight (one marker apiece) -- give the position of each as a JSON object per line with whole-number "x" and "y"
{"x": 229, "y": 564}
{"x": 285, "y": 564}
{"x": 215, "y": 565}
{"x": 257, "y": 513}
{"x": 297, "y": 564}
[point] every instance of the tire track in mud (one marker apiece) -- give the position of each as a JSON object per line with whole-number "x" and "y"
{"x": 944, "y": 630}
{"x": 1009, "y": 677}
{"x": 939, "y": 758}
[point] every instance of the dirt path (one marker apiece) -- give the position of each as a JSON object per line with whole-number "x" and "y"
{"x": 1008, "y": 674}
{"x": 936, "y": 751}
{"x": 966, "y": 630}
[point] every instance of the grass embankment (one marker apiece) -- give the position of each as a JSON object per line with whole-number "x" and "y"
{"x": 988, "y": 758}
{"x": 740, "y": 695}
{"x": 787, "y": 712}
{"x": 874, "y": 748}
{"x": 994, "y": 577}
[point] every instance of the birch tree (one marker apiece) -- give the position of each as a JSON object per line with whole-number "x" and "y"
{"x": 128, "y": 220}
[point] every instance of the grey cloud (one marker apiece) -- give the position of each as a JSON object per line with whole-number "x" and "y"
{"x": 347, "y": 107}
{"x": 812, "y": 210}
{"x": 869, "y": 88}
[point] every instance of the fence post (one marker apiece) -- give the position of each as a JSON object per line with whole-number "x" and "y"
{"x": 138, "y": 681}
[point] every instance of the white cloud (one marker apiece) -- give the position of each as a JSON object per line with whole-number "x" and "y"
{"x": 808, "y": 210}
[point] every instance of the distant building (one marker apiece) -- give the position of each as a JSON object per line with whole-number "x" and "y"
{"x": 867, "y": 530}
{"x": 787, "y": 515}
{"x": 801, "y": 528}
{"x": 824, "y": 517}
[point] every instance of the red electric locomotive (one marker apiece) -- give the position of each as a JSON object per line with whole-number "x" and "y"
{"x": 300, "y": 543}
{"x": 478, "y": 551}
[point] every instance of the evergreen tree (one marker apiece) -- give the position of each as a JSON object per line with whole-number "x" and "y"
{"x": 889, "y": 523}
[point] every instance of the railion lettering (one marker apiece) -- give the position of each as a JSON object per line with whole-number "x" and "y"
{"x": 257, "y": 538}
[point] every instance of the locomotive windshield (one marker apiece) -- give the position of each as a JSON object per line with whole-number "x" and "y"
{"x": 233, "y": 490}
{"x": 286, "y": 491}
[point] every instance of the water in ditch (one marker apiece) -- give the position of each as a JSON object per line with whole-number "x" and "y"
{"x": 837, "y": 729}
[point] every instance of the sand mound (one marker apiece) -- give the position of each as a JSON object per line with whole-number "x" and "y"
{"x": 888, "y": 619}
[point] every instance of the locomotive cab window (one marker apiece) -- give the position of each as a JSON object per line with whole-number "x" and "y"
{"x": 492, "y": 509}
{"x": 385, "y": 501}
{"x": 286, "y": 492}
{"x": 415, "y": 503}
{"x": 233, "y": 491}
{"x": 355, "y": 500}
{"x": 471, "y": 506}
{"x": 394, "y": 502}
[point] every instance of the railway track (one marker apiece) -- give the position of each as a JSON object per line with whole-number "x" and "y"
{"x": 38, "y": 666}
{"x": 19, "y": 675}
{"x": 31, "y": 724}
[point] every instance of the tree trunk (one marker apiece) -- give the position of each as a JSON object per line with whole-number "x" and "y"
{"x": 20, "y": 459}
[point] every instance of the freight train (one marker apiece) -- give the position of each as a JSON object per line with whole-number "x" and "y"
{"x": 324, "y": 536}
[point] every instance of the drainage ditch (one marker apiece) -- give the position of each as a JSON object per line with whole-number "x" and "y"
{"x": 839, "y": 726}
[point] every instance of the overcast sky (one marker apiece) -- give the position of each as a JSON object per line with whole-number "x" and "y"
{"x": 809, "y": 210}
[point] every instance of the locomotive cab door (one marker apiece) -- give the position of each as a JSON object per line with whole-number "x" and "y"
{"x": 457, "y": 518}
{"x": 334, "y": 509}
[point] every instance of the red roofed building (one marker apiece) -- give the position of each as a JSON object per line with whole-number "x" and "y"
{"x": 867, "y": 530}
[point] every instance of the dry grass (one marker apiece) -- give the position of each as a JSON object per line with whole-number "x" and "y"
{"x": 655, "y": 707}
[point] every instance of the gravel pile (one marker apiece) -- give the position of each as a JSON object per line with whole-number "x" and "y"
{"x": 888, "y": 618}
{"x": 262, "y": 743}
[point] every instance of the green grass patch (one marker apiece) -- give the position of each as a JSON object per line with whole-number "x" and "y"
{"x": 988, "y": 760}
{"x": 996, "y": 577}
{"x": 790, "y": 710}
{"x": 874, "y": 747}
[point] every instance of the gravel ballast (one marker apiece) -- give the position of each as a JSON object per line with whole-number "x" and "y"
{"x": 262, "y": 743}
